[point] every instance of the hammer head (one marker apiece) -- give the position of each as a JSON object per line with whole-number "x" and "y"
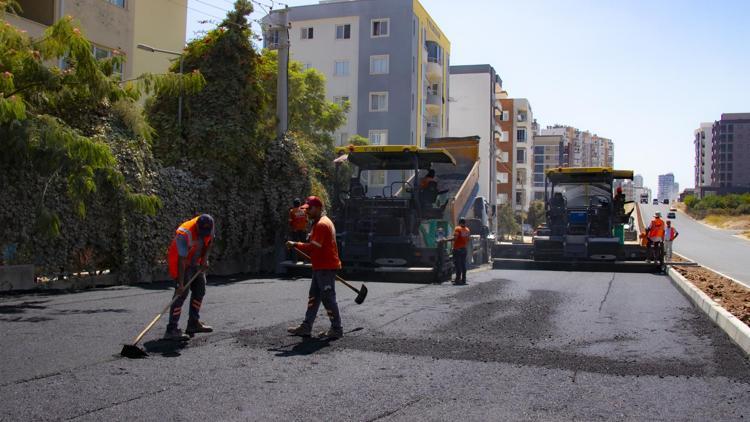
{"x": 362, "y": 295}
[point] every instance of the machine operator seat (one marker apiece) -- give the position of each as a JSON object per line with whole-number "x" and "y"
{"x": 556, "y": 213}
{"x": 356, "y": 190}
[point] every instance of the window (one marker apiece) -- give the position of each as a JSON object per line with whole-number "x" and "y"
{"x": 376, "y": 178}
{"x": 306, "y": 33}
{"x": 343, "y": 32}
{"x": 341, "y": 68}
{"x": 502, "y": 177}
{"x": 341, "y": 100}
{"x": 521, "y": 135}
{"x": 273, "y": 39}
{"x": 379, "y": 28}
{"x": 519, "y": 197}
{"x": 343, "y": 138}
{"x": 118, "y": 3}
{"x": 520, "y": 155}
{"x": 504, "y": 138}
{"x": 378, "y": 101}
{"x": 379, "y": 65}
{"x": 503, "y": 156}
{"x": 378, "y": 137}
{"x": 101, "y": 53}
{"x": 505, "y": 115}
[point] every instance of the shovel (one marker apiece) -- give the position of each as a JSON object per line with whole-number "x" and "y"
{"x": 361, "y": 292}
{"x": 132, "y": 350}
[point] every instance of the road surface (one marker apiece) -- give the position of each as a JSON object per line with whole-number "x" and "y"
{"x": 718, "y": 249}
{"x": 513, "y": 345}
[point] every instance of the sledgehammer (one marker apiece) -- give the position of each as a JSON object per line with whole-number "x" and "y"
{"x": 361, "y": 292}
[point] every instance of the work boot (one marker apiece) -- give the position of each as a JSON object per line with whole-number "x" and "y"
{"x": 302, "y": 330}
{"x": 175, "y": 334}
{"x": 195, "y": 326}
{"x": 332, "y": 333}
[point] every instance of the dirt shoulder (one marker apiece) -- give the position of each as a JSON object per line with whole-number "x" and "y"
{"x": 728, "y": 222}
{"x": 732, "y": 296}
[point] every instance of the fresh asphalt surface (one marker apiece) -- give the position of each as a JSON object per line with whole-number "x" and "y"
{"x": 721, "y": 250}
{"x": 512, "y": 345}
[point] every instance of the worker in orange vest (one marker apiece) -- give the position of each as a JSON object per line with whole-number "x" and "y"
{"x": 297, "y": 224}
{"x": 429, "y": 178}
{"x": 460, "y": 239}
{"x": 188, "y": 254}
{"x": 655, "y": 232}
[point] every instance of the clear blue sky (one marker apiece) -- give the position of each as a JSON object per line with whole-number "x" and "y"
{"x": 644, "y": 73}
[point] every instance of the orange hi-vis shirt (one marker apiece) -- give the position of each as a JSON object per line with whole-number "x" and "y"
{"x": 425, "y": 182}
{"x": 297, "y": 219}
{"x": 657, "y": 228}
{"x": 322, "y": 249}
{"x": 461, "y": 237}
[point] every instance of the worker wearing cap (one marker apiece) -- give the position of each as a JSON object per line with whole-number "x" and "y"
{"x": 297, "y": 223}
{"x": 655, "y": 232}
{"x": 460, "y": 239}
{"x": 324, "y": 256}
{"x": 188, "y": 254}
{"x": 670, "y": 234}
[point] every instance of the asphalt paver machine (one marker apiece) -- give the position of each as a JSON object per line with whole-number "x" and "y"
{"x": 397, "y": 227}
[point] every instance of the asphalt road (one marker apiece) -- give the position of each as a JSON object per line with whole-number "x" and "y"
{"x": 513, "y": 345}
{"x": 718, "y": 249}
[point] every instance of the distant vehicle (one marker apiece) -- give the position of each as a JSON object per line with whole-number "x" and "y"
{"x": 673, "y": 208}
{"x": 666, "y": 202}
{"x": 671, "y": 215}
{"x": 644, "y": 201}
{"x": 656, "y": 202}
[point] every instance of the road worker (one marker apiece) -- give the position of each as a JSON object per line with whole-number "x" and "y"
{"x": 655, "y": 232}
{"x": 670, "y": 234}
{"x": 188, "y": 253}
{"x": 324, "y": 256}
{"x": 460, "y": 239}
{"x": 297, "y": 224}
{"x": 429, "y": 178}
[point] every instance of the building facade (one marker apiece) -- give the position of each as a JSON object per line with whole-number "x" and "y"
{"x": 388, "y": 58}
{"x": 582, "y": 148}
{"x": 666, "y": 187}
{"x": 703, "y": 144}
{"x": 730, "y": 152}
{"x": 517, "y": 126}
{"x": 476, "y": 110}
{"x": 115, "y": 25}
{"x": 548, "y": 153}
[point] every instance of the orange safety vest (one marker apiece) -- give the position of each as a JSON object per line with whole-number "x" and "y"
{"x": 189, "y": 230}
{"x": 298, "y": 219}
{"x": 657, "y": 228}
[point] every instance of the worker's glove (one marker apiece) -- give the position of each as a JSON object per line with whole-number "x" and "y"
{"x": 290, "y": 244}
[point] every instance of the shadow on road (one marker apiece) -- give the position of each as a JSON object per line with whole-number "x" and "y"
{"x": 306, "y": 346}
{"x": 22, "y": 307}
{"x": 166, "y": 348}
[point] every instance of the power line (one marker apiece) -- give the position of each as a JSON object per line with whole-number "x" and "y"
{"x": 211, "y": 5}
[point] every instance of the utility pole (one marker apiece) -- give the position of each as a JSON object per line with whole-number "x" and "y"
{"x": 278, "y": 33}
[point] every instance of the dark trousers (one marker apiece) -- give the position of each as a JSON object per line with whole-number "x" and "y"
{"x": 459, "y": 261}
{"x": 197, "y": 291}
{"x": 323, "y": 289}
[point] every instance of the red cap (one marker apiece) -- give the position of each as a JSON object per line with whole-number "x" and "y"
{"x": 313, "y": 201}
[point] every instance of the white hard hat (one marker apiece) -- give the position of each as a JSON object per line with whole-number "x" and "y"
{"x": 657, "y": 214}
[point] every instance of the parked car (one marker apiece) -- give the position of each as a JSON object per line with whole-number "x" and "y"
{"x": 656, "y": 202}
{"x": 671, "y": 215}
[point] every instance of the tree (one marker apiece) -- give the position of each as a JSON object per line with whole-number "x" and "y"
{"x": 506, "y": 220}
{"x": 536, "y": 215}
{"x": 53, "y": 120}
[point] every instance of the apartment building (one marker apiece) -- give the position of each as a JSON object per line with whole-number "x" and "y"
{"x": 548, "y": 153}
{"x": 666, "y": 187}
{"x": 703, "y": 144}
{"x": 730, "y": 153}
{"x": 115, "y": 25}
{"x": 582, "y": 148}
{"x": 388, "y": 58}
{"x": 517, "y": 126}
{"x": 476, "y": 110}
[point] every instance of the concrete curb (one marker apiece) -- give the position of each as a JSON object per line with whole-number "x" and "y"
{"x": 737, "y": 331}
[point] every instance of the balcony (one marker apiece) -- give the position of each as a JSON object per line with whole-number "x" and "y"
{"x": 434, "y": 129}
{"x": 434, "y": 102}
{"x": 434, "y": 70}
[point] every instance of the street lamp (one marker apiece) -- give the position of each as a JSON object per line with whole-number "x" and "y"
{"x": 150, "y": 49}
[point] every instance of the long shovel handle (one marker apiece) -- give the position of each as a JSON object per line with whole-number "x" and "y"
{"x": 344, "y": 282}
{"x": 166, "y": 308}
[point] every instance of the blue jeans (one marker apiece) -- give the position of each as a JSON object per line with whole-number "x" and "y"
{"x": 323, "y": 289}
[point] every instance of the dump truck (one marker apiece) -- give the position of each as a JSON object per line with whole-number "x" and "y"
{"x": 584, "y": 225}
